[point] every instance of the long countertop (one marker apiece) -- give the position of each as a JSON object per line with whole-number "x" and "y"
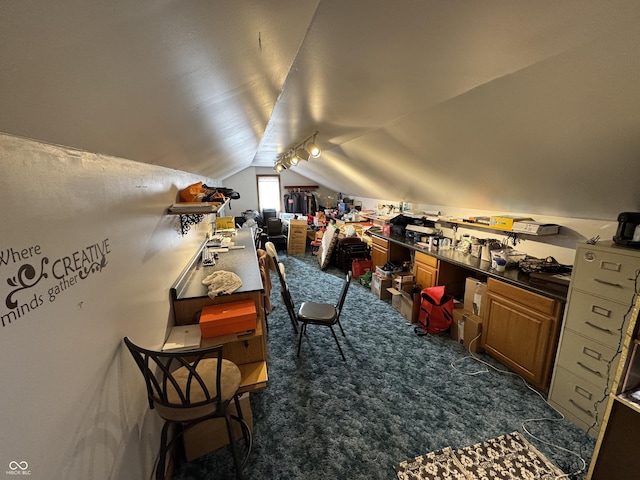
{"x": 243, "y": 262}
{"x": 512, "y": 275}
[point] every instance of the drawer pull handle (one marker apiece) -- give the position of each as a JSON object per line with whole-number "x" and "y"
{"x": 615, "y": 267}
{"x": 582, "y": 392}
{"x": 611, "y": 284}
{"x": 600, "y": 311}
{"x": 591, "y": 353}
{"x": 606, "y": 330}
{"x": 584, "y": 410}
{"x": 595, "y": 372}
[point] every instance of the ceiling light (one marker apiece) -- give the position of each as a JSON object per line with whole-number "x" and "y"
{"x": 295, "y": 158}
{"x": 301, "y": 151}
{"x": 313, "y": 148}
{"x": 286, "y": 162}
{"x": 302, "y": 154}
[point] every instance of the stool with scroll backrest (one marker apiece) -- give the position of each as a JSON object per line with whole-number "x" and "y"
{"x": 187, "y": 388}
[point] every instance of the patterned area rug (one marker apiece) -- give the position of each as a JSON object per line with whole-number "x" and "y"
{"x": 508, "y": 457}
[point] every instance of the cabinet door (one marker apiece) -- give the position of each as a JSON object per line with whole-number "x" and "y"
{"x": 425, "y": 270}
{"x": 379, "y": 255}
{"x": 520, "y": 337}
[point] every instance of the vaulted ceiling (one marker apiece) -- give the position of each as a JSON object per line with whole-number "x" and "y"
{"x": 514, "y": 105}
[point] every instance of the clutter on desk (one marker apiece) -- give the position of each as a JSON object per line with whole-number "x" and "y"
{"x": 548, "y": 264}
{"x": 226, "y": 318}
{"x": 222, "y": 282}
{"x": 182, "y": 338}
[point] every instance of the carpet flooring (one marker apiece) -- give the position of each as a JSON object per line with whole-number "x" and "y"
{"x": 397, "y": 396}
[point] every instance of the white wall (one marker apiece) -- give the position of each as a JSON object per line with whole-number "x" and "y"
{"x": 73, "y": 403}
{"x": 244, "y": 182}
{"x": 561, "y": 247}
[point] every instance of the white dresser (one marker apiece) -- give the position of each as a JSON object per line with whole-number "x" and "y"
{"x": 603, "y": 283}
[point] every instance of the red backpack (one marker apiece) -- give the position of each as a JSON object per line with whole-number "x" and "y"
{"x": 436, "y": 311}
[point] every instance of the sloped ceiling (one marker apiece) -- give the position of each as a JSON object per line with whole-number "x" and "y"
{"x": 520, "y": 106}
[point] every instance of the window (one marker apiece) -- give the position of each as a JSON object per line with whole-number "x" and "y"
{"x": 269, "y": 192}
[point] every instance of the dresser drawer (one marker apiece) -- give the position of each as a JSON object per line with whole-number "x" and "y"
{"x": 597, "y": 318}
{"x": 587, "y": 359}
{"x": 579, "y": 398}
{"x": 380, "y": 241}
{"x": 605, "y": 274}
{"x": 426, "y": 259}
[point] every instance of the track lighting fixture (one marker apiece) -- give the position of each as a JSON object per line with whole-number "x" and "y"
{"x": 313, "y": 148}
{"x": 304, "y": 150}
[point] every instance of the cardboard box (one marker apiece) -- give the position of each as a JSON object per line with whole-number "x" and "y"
{"x": 505, "y": 222}
{"x": 406, "y": 301}
{"x": 410, "y": 304}
{"x": 379, "y": 286}
{"x": 396, "y": 298}
{"x": 226, "y": 318}
{"x": 297, "y": 237}
{"x": 535, "y": 228}
{"x": 403, "y": 279}
{"x": 223, "y": 223}
{"x": 465, "y": 329}
{"x": 475, "y": 292}
{"x": 211, "y": 435}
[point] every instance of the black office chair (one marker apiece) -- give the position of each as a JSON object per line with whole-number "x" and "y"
{"x": 187, "y": 388}
{"x": 326, "y": 314}
{"x": 275, "y": 233}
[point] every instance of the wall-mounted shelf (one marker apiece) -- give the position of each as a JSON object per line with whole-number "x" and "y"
{"x": 192, "y": 213}
{"x": 512, "y": 234}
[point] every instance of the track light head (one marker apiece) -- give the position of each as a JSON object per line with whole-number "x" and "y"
{"x": 313, "y": 148}
{"x": 302, "y": 153}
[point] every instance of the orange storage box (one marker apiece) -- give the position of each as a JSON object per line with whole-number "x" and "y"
{"x": 226, "y": 318}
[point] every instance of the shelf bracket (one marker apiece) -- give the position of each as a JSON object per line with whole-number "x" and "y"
{"x": 513, "y": 236}
{"x": 189, "y": 219}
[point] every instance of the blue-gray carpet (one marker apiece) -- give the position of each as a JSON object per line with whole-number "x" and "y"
{"x": 396, "y": 397}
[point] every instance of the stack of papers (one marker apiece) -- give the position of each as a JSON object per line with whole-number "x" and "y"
{"x": 182, "y": 338}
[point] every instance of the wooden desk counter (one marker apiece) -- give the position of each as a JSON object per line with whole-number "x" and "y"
{"x": 189, "y": 295}
{"x": 511, "y": 276}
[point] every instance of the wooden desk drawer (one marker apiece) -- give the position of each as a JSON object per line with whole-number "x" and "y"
{"x": 605, "y": 274}
{"x": 587, "y": 359}
{"x": 380, "y": 241}
{"x": 533, "y": 301}
{"x": 597, "y": 318}
{"x": 426, "y": 259}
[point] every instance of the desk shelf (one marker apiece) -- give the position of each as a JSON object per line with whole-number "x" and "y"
{"x": 193, "y": 215}
{"x": 513, "y": 234}
{"x": 247, "y": 350}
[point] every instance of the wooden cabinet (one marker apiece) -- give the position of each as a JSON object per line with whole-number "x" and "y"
{"x": 430, "y": 271}
{"x": 521, "y": 330}
{"x": 615, "y": 456}
{"x": 600, "y": 294}
{"x": 425, "y": 268}
{"x": 383, "y": 251}
{"x": 188, "y": 295}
